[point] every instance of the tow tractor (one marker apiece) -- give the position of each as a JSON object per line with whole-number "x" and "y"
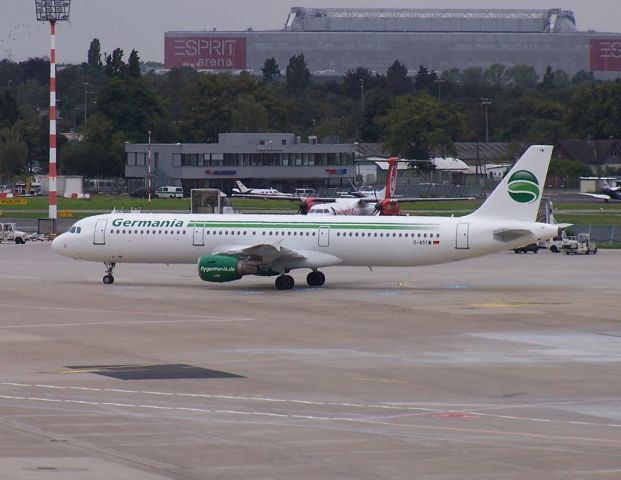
{"x": 580, "y": 244}
{"x": 8, "y": 233}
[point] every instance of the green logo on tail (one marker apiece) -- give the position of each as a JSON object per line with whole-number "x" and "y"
{"x": 524, "y": 187}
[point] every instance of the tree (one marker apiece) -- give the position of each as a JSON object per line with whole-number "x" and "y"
{"x": 424, "y": 81}
{"x": 582, "y": 77}
{"x": 9, "y": 110}
{"x": 115, "y": 66}
{"x": 548, "y": 79}
{"x": 521, "y": 76}
{"x": 356, "y": 81}
{"x": 133, "y": 65}
{"x": 297, "y": 75}
{"x": 473, "y": 77}
{"x": 13, "y": 153}
{"x": 270, "y": 70}
{"x": 595, "y": 111}
{"x": 94, "y": 55}
{"x": 248, "y": 115}
{"x": 494, "y": 75}
{"x": 416, "y": 127}
{"x": 397, "y": 80}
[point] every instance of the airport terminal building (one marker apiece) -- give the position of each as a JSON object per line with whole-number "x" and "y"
{"x": 337, "y": 40}
{"x": 280, "y": 160}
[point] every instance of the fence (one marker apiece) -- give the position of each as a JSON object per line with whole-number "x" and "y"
{"x": 602, "y": 234}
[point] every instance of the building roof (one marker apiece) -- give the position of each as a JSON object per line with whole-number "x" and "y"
{"x": 467, "y": 152}
{"x": 591, "y": 152}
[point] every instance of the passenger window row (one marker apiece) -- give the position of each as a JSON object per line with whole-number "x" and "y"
{"x": 146, "y": 232}
{"x": 387, "y": 235}
{"x": 270, "y": 233}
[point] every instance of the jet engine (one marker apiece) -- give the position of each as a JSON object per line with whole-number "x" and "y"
{"x": 221, "y": 268}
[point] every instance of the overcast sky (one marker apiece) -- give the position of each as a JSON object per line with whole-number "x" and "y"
{"x": 140, "y": 24}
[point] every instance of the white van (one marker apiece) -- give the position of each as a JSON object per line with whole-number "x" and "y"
{"x": 169, "y": 192}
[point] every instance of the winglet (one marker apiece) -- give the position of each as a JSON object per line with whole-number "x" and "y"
{"x": 518, "y": 195}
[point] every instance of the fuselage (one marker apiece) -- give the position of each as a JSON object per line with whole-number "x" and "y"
{"x": 348, "y": 240}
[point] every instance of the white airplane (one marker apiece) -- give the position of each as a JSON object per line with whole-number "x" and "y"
{"x": 366, "y": 202}
{"x": 227, "y": 247}
{"x": 245, "y": 192}
{"x": 608, "y": 192}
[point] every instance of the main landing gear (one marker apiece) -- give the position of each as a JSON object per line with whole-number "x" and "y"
{"x": 284, "y": 282}
{"x": 108, "y": 278}
{"x": 315, "y": 278}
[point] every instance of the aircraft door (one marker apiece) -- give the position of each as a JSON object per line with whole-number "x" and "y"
{"x": 198, "y": 238}
{"x": 324, "y": 236}
{"x": 461, "y": 241}
{"x": 100, "y": 232}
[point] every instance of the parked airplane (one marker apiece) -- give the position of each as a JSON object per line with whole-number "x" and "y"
{"x": 608, "y": 192}
{"x": 245, "y": 192}
{"x": 366, "y": 202}
{"x": 227, "y": 247}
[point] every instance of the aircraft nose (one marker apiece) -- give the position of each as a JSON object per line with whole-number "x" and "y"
{"x": 59, "y": 243}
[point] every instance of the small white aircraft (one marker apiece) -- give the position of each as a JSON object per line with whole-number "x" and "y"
{"x": 227, "y": 247}
{"x": 243, "y": 191}
{"x": 367, "y": 202}
{"x": 608, "y": 192}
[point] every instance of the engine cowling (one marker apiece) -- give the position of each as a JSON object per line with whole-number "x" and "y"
{"x": 221, "y": 268}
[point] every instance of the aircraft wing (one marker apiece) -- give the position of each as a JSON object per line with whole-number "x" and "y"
{"x": 419, "y": 199}
{"x": 283, "y": 196}
{"x": 601, "y": 196}
{"x": 274, "y": 255}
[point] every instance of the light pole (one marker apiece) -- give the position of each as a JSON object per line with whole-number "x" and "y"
{"x": 52, "y": 11}
{"x": 486, "y": 102}
{"x": 439, "y": 81}
{"x": 86, "y": 92}
{"x": 362, "y": 93}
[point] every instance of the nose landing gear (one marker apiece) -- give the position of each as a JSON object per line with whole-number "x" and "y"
{"x": 108, "y": 278}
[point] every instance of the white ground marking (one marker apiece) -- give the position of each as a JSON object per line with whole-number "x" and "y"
{"x": 359, "y": 420}
{"x": 424, "y": 411}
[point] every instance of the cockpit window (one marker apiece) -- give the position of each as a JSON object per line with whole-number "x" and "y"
{"x": 75, "y": 229}
{"x": 72, "y": 230}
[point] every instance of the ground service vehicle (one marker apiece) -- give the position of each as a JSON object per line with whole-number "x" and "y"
{"x": 8, "y": 233}
{"x": 169, "y": 192}
{"x": 531, "y": 247}
{"x": 580, "y": 244}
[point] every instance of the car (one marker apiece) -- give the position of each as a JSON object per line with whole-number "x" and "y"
{"x": 531, "y": 247}
{"x": 141, "y": 192}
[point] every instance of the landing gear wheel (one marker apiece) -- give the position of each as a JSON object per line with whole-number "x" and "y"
{"x": 284, "y": 282}
{"x": 108, "y": 278}
{"x": 315, "y": 279}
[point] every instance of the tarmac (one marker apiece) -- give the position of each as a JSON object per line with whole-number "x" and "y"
{"x": 503, "y": 367}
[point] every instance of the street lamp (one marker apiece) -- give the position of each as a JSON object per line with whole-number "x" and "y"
{"x": 52, "y": 11}
{"x": 362, "y": 92}
{"x": 85, "y": 93}
{"x": 439, "y": 81}
{"x": 486, "y": 102}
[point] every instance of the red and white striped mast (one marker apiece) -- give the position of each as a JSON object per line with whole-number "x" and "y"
{"x": 149, "y": 171}
{"x": 52, "y": 11}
